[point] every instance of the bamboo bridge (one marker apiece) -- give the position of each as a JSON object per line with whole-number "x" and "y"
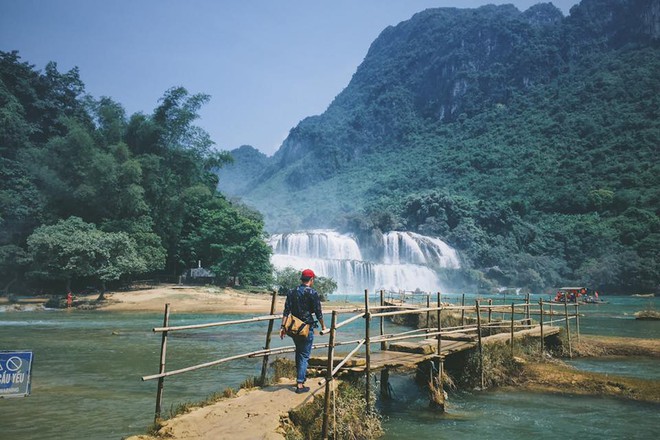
{"x": 479, "y": 324}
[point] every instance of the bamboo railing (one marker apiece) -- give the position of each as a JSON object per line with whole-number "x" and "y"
{"x": 520, "y": 318}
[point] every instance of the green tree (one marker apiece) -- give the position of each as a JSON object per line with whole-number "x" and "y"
{"x": 219, "y": 234}
{"x": 72, "y": 249}
{"x": 13, "y": 262}
{"x": 239, "y": 246}
{"x": 289, "y": 278}
{"x": 142, "y": 187}
{"x": 116, "y": 256}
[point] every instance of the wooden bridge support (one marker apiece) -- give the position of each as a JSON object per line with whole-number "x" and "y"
{"x": 161, "y": 368}
{"x": 328, "y": 376}
{"x": 528, "y": 316}
{"x": 541, "y": 325}
{"x": 264, "y": 364}
{"x": 383, "y": 344}
{"x": 367, "y": 352}
{"x": 480, "y": 346}
{"x": 439, "y": 340}
{"x": 568, "y": 329}
{"x": 385, "y": 389}
{"x": 437, "y": 393}
{"x": 577, "y": 321}
{"x": 513, "y": 310}
{"x": 426, "y": 375}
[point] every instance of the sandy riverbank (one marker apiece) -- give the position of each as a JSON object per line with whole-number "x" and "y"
{"x": 182, "y": 299}
{"x": 189, "y": 299}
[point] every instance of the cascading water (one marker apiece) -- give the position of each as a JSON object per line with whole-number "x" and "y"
{"x": 407, "y": 260}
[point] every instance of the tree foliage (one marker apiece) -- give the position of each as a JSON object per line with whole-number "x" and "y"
{"x": 289, "y": 278}
{"x": 73, "y": 249}
{"x": 93, "y": 196}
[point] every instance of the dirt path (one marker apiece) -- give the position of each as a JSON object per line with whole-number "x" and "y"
{"x": 252, "y": 414}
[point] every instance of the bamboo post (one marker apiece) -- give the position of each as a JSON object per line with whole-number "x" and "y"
{"x": 541, "y": 324}
{"x": 577, "y": 322}
{"x": 439, "y": 317}
{"x": 503, "y": 304}
{"x": 328, "y": 375}
{"x": 383, "y": 344}
{"x": 512, "y": 318}
{"x": 428, "y": 312}
{"x": 385, "y": 383}
{"x": 527, "y": 314}
{"x": 568, "y": 330}
{"x": 490, "y": 310}
{"x": 264, "y": 365}
{"x": 481, "y": 350}
{"x": 367, "y": 343}
{"x": 463, "y": 311}
{"x": 161, "y": 366}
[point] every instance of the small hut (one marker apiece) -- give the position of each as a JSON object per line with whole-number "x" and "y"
{"x": 198, "y": 275}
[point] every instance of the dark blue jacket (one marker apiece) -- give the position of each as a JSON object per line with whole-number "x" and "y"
{"x": 302, "y": 303}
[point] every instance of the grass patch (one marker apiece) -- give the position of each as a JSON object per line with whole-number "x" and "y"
{"x": 501, "y": 366}
{"x": 251, "y": 382}
{"x": 283, "y": 368}
{"x": 558, "y": 377}
{"x": 228, "y": 393}
{"x": 602, "y": 346}
{"x": 348, "y": 416}
{"x": 181, "y": 408}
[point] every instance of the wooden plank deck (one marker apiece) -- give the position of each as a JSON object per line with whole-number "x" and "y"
{"x": 395, "y": 357}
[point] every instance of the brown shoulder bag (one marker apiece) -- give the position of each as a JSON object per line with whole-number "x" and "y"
{"x": 295, "y": 327}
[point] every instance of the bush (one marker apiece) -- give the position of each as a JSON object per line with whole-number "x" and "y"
{"x": 349, "y": 412}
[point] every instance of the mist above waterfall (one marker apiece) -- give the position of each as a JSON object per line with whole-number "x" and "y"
{"x": 404, "y": 260}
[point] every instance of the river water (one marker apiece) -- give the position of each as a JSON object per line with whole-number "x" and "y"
{"x": 87, "y": 369}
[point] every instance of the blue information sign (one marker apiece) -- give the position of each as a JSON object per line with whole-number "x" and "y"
{"x": 15, "y": 371}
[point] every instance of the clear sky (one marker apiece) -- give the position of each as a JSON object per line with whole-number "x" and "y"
{"x": 267, "y": 64}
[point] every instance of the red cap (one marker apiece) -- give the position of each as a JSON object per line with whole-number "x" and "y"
{"x": 307, "y": 274}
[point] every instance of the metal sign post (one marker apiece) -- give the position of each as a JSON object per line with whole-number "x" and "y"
{"x": 15, "y": 373}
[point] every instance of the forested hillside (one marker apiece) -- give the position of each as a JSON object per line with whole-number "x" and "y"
{"x": 90, "y": 196}
{"x": 528, "y": 140}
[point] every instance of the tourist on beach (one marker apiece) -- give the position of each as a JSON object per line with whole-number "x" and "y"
{"x": 302, "y": 303}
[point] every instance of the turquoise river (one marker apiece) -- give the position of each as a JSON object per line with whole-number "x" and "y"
{"x": 87, "y": 369}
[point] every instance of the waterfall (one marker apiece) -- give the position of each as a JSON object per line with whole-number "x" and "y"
{"x": 408, "y": 260}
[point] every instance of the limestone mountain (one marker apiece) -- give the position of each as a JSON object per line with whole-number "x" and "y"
{"x": 248, "y": 164}
{"x": 528, "y": 140}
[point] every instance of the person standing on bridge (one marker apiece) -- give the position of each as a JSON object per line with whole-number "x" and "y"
{"x": 302, "y": 303}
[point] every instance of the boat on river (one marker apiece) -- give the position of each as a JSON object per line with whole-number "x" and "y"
{"x": 580, "y": 295}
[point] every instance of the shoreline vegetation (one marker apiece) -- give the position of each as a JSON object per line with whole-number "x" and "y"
{"x": 557, "y": 377}
{"x": 650, "y": 315}
{"x": 549, "y": 375}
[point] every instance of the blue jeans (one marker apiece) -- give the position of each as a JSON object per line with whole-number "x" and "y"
{"x": 303, "y": 350}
